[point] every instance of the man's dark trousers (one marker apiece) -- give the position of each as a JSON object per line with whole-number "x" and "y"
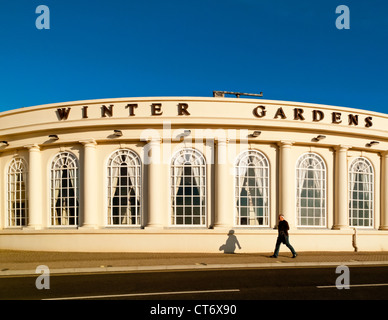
{"x": 287, "y": 243}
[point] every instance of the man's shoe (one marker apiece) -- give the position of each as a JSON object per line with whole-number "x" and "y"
{"x": 273, "y": 256}
{"x": 294, "y": 256}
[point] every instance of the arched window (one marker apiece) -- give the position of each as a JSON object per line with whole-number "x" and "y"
{"x": 124, "y": 188}
{"x": 64, "y": 190}
{"x": 252, "y": 189}
{"x": 17, "y": 193}
{"x": 361, "y": 179}
{"x": 311, "y": 191}
{"x": 188, "y": 188}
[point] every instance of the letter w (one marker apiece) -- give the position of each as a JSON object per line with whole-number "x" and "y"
{"x": 63, "y": 113}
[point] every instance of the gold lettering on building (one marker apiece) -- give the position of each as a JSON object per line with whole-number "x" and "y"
{"x": 259, "y": 112}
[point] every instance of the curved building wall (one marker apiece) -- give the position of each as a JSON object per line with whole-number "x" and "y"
{"x": 191, "y": 206}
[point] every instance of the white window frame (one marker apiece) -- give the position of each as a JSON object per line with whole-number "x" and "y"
{"x": 57, "y": 165}
{"x": 370, "y": 201}
{"x": 305, "y": 202}
{"x": 177, "y": 165}
{"x": 17, "y": 192}
{"x": 244, "y": 159}
{"x": 135, "y": 174}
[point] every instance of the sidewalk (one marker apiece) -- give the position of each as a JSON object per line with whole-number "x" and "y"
{"x": 25, "y": 262}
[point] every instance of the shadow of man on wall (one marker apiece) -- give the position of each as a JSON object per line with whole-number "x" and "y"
{"x": 231, "y": 243}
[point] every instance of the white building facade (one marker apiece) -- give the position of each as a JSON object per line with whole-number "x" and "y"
{"x": 176, "y": 174}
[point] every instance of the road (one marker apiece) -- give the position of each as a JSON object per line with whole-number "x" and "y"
{"x": 227, "y": 285}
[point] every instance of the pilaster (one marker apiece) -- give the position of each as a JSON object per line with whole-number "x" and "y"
{"x": 153, "y": 163}
{"x": 341, "y": 215}
{"x": 286, "y": 185}
{"x": 384, "y": 191}
{"x": 90, "y": 185}
{"x": 223, "y": 186}
{"x": 35, "y": 189}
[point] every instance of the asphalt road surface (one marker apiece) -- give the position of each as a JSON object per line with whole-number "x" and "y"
{"x": 225, "y": 286}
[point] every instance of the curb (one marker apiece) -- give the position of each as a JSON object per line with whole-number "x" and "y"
{"x": 276, "y": 265}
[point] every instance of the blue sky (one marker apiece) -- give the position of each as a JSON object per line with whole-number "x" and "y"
{"x": 290, "y": 50}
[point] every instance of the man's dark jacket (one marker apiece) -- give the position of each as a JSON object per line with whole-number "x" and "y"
{"x": 283, "y": 228}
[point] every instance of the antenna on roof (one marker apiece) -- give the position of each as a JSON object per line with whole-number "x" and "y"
{"x": 222, "y": 94}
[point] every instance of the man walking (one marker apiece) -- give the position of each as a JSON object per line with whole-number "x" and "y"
{"x": 283, "y": 228}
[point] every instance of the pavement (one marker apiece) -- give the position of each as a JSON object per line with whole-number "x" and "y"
{"x": 15, "y": 263}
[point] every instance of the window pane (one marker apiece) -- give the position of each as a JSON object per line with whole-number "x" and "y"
{"x": 361, "y": 179}
{"x": 311, "y": 190}
{"x": 64, "y": 190}
{"x": 124, "y": 187}
{"x": 17, "y": 193}
{"x": 188, "y": 188}
{"x": 252, "y": 192}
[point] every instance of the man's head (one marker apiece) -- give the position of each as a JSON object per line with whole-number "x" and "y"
{"x": 281, "y": 217}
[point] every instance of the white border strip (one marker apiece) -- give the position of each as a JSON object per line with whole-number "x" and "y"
{"x": 277, "y": 264}
{"x": 145, "y": 294}
{"x": 357, "y": 285}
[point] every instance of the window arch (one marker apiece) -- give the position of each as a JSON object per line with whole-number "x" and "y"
{"x": 252, "y": 189}
{"x": 311, "y": 191}
{"x": 188, "y": 188}
{"x": 361, "y": 183}
{"x": 124, "y": 188}
{"x": 17, "y": 202}
{"x": 64, "y": 190}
